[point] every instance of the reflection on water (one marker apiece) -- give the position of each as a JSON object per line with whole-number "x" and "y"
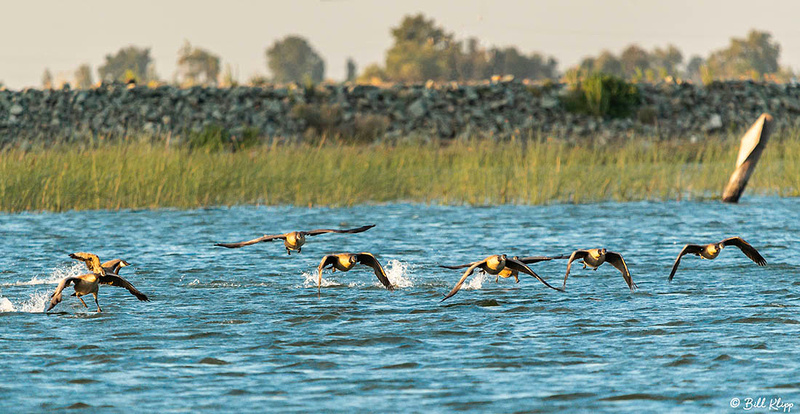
{"x": 246, "y": 329}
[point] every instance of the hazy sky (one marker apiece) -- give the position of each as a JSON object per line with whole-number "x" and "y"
{"x": 60, "y": 35}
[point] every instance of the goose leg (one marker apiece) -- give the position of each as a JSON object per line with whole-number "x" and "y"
{"x": 84, "y": 303}
{"x": 96, "y": 302}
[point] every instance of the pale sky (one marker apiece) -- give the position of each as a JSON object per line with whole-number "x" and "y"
{"x": 62, "y": 34}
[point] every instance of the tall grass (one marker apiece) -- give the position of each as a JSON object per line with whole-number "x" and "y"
{"x": 136, "y": 175}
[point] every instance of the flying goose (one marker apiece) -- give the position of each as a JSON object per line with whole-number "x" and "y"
{"x": 593, "y": 258}
{"x": 508, "y": 272}
{"x": 89, "y": 283}
{"x": 294, "y": 240}
{"x": 346, "y": 261}
{"x": 711, "y": 251}
{"x": 495, "y": 265}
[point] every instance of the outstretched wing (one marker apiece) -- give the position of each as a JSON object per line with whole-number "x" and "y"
{"x": 55, "y": 298}
{"x": 746, "y": 248}
{"x": 370, "y": 260}
{"x": 576, "y": 255}
{"x": 457, "y": 266}
{"x": 115, "y": 280}
{"x": 327, "y": 260}
{"x": 90, "y": 259}
{"x": 323, "y": 231}
{"x": 617, "y": 261}
{"x": 113, "y": 266}
{"x": 463, "y": 278}
{"x": 264, "y": 238}
{"x": 515, "y": 264}
{"x": 537, "y": 259}
{"x": 688, "y": 249}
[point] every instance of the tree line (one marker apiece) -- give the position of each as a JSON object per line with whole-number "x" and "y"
{"x": 423, "y": 50}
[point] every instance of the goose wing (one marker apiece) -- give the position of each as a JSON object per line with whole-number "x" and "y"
{"x": 323, "y": 231}
{"x": 617, "y": 261}
{"x": 576, "y": 255}
{"x": 461, "y": 266}
{"x": 688, "y": 249}
{"x": 327, "y": 260}
{"x": 515, "y": 264}
{"x": 113, "y": 266}
{"x": 370, "y": 260}
{"x": 537, "y": 259}
{"x": 746, "y": 248}
{"x": 264, "y": 238}
{"x": 463, "y": 278}
{"x": 55, "y": 298}
{"x": 90, "y": 259}
{"x": 115, "y": 280}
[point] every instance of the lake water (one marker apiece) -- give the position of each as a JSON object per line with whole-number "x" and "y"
{"x": 245, "y": 329}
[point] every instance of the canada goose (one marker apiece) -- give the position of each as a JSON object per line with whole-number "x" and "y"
{"x": 508, "y": 272}
{"x": 88, "y": 283}
{"x": 111, "y": 266}
{"x": 595, "y": 257}
{"x": 711, "y": 251}
{"x": 346, "y": 261}
{"x": 293, "y": 240}
{"x": 495, "y": 265}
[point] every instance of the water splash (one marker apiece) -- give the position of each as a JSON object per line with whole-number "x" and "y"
{"x": 310, "y": 280}
{"x": 476, "y": 282}
{"x": 34, "y": 304}
{"x": 54, "y": 277}
{"x": 397, "y": 272}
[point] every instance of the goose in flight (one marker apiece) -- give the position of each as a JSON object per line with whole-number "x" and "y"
{"x": 593, "y": 258}
{"x": 294, "y": 240}
{"x": 346, "y": 261}
{"x": 89, "y": 283}
{"x": 509, "y": 272}
{"x": 495, "y": 265}
{"x": 711, "y": 251}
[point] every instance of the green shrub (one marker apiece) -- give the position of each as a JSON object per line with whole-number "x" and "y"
{"x": 215, "y": 138}
{"x": 603, "y": 95}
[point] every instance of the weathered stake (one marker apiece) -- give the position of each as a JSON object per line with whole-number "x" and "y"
{"x": 753, "y": 143}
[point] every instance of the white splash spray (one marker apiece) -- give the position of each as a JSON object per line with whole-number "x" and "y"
{"x": 397, "y": 272}
{"x": 37, "y": 300}
{"x": 310, "y": 280}
{"x": 476, "y": 282}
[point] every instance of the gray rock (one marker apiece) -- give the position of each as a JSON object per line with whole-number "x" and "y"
{"x": 16, "y": 109}
{"x": 417, "y": 109}
{"x": 714, "y": 123}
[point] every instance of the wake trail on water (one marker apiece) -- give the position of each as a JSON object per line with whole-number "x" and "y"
{"x": 37, "y": 300}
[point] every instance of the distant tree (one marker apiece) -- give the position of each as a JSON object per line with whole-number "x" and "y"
{"x": 421, "y": 51}
{"x": 197, "y": 66}
{"x": 753, "y": 56}
{"x": 292, "y": 59}
{"x": 634, "y": 60}
{"x": 47, "y": 79}
{"x": 258, "y": 80}
{"x": 371, "y": 73}
{"x": 133, "y": 60}
{"x": 693, "y": 67}
{"x": 667, "y": 61}
{"x": 609, "y": 64}
{"x": 351, "y": 69}
{"x": 83, "y": 77}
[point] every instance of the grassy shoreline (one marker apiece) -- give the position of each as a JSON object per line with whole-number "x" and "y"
{"x": 144, "y": 175}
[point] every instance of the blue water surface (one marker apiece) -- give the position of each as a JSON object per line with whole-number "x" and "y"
{"x": 245, "y": 330}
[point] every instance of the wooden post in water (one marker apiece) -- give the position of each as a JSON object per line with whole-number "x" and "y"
{"x": 753, "y": 143}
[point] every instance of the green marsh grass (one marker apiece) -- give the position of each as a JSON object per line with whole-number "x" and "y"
{"x": 480, "y": 172}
